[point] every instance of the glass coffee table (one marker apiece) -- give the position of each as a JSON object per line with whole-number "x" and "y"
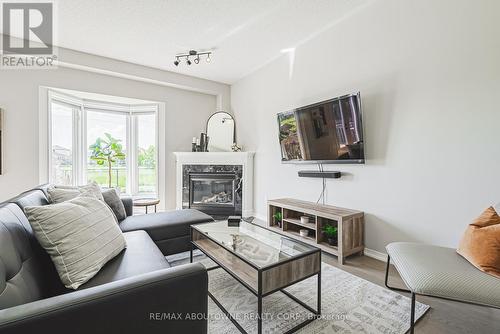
{"x": 263, "y": 261}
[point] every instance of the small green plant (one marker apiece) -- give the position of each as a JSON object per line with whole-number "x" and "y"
{"x": 278, "y": 217}
{"x": 330, "y": 231}
{"x": 331, "y": 234}
{"x": 107, "y": 151}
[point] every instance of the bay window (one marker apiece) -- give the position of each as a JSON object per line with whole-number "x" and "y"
{"x": 62, "y": 158}
{"x": 76, "y": 126}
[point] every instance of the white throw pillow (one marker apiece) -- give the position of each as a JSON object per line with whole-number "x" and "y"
{"x": 81, "y": 235}
{"x": 59, "y": 194}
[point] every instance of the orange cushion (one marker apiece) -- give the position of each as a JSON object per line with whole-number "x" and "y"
{"x": 480, "y": 244}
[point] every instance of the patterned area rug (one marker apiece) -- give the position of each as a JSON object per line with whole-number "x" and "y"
{"x": 349, "y": 304}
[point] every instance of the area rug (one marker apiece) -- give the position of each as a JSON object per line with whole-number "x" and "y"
{"x": 349, "y": 304}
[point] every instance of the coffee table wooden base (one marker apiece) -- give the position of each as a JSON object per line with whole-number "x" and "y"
{"x": 232, "y": 269}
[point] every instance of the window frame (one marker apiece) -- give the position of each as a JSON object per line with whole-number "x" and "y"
{"x": 80, "y": 108}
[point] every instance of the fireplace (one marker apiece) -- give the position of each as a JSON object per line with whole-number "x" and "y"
{"x": 213, "y": 189}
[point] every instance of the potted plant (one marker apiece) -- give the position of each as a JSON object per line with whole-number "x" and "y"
{"x": 107, "y": 151}
{"x": 331, "y": 234}
{"x": 278, "y": 217}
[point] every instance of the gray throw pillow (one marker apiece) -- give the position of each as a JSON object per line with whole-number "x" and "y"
{"x": 80, "y": 235}
{"x": 59, "y": 194}
{"x": 112, "y": 198}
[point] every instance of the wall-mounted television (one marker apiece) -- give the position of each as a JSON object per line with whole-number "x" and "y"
{"x": 326, "y": 132}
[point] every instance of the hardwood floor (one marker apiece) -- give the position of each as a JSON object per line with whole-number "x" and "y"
{"x": 444, "y": 316}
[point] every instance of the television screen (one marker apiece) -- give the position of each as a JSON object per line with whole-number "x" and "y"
{"x": 325, "y": 132}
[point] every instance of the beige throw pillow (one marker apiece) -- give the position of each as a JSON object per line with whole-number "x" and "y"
{"x": 80, "y": 235}
{"x": 59, "y": 194}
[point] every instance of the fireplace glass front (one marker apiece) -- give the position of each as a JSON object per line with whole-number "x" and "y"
{"x": 213, "y": 193}
{"x": 212, "y": 190}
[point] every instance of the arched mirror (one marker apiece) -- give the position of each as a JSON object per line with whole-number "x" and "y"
{"x": 220, "y": 130}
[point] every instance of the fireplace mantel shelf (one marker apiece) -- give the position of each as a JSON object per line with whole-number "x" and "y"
{"x": 229, "y": 158}
{"x": 245, "y": 159}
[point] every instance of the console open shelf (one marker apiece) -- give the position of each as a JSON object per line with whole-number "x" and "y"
{"x": 297, "y": 222}
{"x": 349, "y": 223}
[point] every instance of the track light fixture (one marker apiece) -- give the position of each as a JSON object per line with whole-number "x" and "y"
{"x": 195, "y": 55}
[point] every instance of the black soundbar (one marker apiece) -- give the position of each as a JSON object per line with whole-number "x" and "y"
{"x": 325, "y": 174}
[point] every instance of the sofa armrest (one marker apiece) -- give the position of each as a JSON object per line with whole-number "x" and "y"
{"x": 128, "y": 203}
{"x": 163, "y": 301}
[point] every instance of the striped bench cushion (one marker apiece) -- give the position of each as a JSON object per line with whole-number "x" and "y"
{"x": 441, "y": 272}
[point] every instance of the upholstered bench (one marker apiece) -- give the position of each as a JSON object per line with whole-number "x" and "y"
{"x": 440, "y": 272}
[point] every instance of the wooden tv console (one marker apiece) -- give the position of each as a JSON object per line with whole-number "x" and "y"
{"x": 350, "y": 225}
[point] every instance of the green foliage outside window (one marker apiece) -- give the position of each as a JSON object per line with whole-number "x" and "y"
{"x": 106, "y": 152}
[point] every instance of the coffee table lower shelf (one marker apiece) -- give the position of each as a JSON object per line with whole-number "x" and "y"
{"x": 211, "y": 252}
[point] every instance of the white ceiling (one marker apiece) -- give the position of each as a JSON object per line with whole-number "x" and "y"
{"x": 244, "y": 34}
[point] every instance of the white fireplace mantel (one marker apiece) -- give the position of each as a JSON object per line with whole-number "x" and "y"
{"x": 219, "y": 158}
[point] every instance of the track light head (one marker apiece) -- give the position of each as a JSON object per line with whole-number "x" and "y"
{"x": 192, "y": 56}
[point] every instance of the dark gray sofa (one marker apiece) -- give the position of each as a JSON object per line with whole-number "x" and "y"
{"x": 136, "y": 292}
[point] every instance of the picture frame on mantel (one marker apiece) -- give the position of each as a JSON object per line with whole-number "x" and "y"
{"x": 1, "y": 141}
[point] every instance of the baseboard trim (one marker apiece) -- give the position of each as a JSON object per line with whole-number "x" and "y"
{"x": 376, "y": 254}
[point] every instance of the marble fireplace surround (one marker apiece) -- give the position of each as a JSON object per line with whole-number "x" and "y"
{"x": 244, "y": 159}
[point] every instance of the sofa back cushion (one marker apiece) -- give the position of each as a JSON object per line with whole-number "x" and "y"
{"x": 34, "y": 197}
{"x": 26, "y": 271}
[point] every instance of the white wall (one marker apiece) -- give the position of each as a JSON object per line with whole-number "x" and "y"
{"x": 429, "y": 76}
{"x": 186, "y": 109}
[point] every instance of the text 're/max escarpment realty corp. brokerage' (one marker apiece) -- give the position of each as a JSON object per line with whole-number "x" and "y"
{"x": 28, "y": 35}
